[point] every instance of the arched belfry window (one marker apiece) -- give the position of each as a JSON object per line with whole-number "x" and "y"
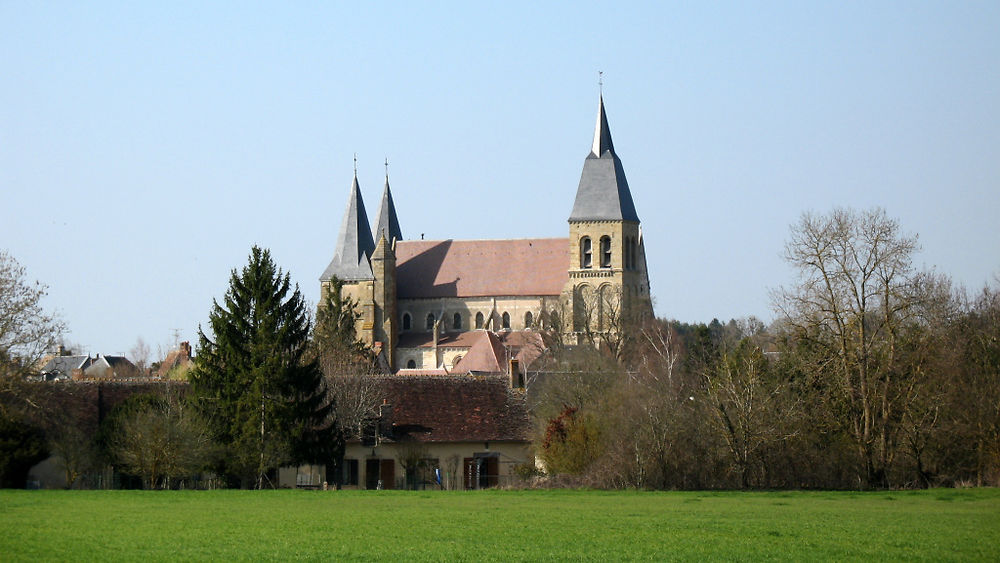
{"x": 630, "y": 253}
{"x": 528, "y": 320}
{"x": 406, "y": 321}
{"x": 479, "y": 320}
{"x": 457, "y": 322}
{"x": 430, "y": 321}
{"x": 586, "y": 253}
{"x": 605, "y": 252}
{"x": 506, "y": 320}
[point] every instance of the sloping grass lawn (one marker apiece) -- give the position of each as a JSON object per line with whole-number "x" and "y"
{"x": 933, "y": 525}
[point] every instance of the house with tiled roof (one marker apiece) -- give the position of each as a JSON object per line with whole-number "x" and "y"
{"x": 64, "y": 366}
{"x": 433, "y": 431}
{"x": 111, "y": 367}
{"x": 425, "y": 304}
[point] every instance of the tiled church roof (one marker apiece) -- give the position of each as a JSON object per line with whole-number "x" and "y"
{"x": 481, "y": 268}
{"x": 455, "y": 409}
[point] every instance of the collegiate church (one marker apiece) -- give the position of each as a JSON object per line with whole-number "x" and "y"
{"x": 436, "y": 307}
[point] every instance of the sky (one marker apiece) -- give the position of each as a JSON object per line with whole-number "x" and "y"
{"x": 146, "y": 147}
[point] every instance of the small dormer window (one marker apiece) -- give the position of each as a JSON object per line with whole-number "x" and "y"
{"x": 586, "y": 253}
{"x": 605, "y": 252}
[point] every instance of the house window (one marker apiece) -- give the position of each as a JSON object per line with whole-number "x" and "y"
{"x": 586, "y": 253}
{"x": 528, "y": 320}
{"x": 430, "y": 321}
{"x": 406, "y": 321}
{"x": 457, "y": 322}
{"x": 479, "y": 320}
{"x": 411, "y": 365}
{"x": 350, "y": 475}
{"x": 605, "y": 252}
{"x": 506, "y": 320}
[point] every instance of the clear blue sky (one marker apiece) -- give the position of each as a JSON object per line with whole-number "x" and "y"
{"x": 144, "y": 149}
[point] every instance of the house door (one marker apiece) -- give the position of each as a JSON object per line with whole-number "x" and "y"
{"x": 372, "y": 473}
{"x": 388, "y": 474}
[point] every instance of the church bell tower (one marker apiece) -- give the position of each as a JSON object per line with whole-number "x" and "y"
{"x": 608, "y": 286}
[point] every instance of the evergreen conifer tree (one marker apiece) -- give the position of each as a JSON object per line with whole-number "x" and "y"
{"x": 263, "y": 395}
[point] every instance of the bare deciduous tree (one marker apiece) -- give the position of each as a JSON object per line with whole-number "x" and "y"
{"x": 27, "y": 331}
{"x": 856, "y": 291}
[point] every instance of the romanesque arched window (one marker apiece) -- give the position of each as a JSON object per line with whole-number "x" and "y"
{"x": 505, "y": 320}
{"x": 479, "y": 320}
{"x": 411, "y": 364}
{"x": 430, "y": 321}
{"x": 456, "y": 323}
{"x": 605, "y": 252}
{"x": 528, "y": 319}
{"x": 586, "y": 253}
{"x": 406, "y": 321}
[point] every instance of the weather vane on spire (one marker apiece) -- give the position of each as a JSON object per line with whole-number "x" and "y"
{"x": 600, "y": 81}
{"x": 355, "y": 164}
{"x": 387, "y": 167}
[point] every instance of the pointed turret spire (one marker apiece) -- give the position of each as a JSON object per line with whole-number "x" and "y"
{"x": 603, "y": 193}
{"x": 354, "y": 243}
{"x": 386, "y": 223}
{"x": 602, "y": 133}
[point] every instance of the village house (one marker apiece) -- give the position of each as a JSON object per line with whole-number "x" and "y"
{"x": 439, "y": 432}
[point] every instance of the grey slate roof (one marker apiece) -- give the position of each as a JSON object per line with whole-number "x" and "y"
{"x": 64, "y": 365}
{"x": 603, "y": 193}
{"x": 354, "y": 243}
{"x": 386, "y": 222}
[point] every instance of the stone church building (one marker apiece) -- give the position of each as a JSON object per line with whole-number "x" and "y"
{"x": 435, "y": 307}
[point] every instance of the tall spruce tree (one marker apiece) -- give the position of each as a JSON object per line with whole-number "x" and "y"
{"x": 263, "y": 395}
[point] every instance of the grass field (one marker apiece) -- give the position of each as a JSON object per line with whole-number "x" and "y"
{"x": 520, "y": 525}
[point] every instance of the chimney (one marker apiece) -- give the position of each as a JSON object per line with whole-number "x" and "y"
{"x": 385, "y": 418}
{"x": 516, "y": 377}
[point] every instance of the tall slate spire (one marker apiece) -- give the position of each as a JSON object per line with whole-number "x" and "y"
{"x": 386, "y": 223}
{"x": 603, "y": 194}
{"x": 354, "y": 243}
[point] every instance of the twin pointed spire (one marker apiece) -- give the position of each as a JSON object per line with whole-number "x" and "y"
{"x": 603, "y": 194}
{"x": 355, "y": 242}
{"x": 386, "y": 223}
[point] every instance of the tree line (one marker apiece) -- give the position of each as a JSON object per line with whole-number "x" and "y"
{"x": 874, "y": 375}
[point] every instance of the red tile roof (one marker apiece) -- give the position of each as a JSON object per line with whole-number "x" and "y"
{"x": 488, "y": 355}
{"x": 455, "y": 409}
{"x": 481, "y": 268}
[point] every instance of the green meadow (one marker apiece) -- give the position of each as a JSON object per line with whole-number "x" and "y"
{"x": 933, "y": 525}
